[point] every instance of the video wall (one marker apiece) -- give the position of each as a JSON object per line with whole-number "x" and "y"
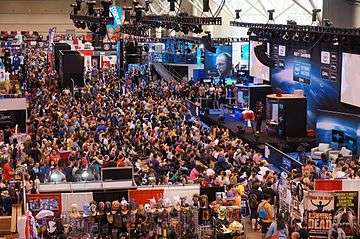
{"x": 227, "y": 63}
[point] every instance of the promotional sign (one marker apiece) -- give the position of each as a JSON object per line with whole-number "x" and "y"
{"x": 346, "y": 211}
{"x": 284, "y": 195}
{"x": 320, "y": 209}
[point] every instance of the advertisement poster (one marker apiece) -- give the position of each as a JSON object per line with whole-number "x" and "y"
{"x": 284, "y": 196}
{"x": 346, "y": 211}
{"x": 320, "y": 209}
{"x": 302, "y": 66}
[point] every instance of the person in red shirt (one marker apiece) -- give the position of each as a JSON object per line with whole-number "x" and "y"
{"x": 8, "y": 172}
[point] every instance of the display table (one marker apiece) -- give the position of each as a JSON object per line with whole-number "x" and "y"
{"x": 286, "y": 115}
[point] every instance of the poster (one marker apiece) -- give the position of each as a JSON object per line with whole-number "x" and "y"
{"x": 346, "y": 211}
{"x": 320, "y": 209}
{"x": 285, "y": 198}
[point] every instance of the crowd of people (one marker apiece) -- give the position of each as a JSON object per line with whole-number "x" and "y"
{"x": 114, "y": 122}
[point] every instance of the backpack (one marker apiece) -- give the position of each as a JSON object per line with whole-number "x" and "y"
{"x": 253, "y": 200}
{"x": 262, "y": 214}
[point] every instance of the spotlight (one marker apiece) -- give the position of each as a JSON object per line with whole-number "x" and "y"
{"x": 271, "y": 15}
{"x": 306, "y": 37}
{"x": 314, "y": 15}
{"x": 147, "y": 5}
{"x": 237, "y": 13}
{"x": 328, "y": 23}
{"x": 83, "y": 25}
{"x": 291, "y": 23}
{"x": 127, "y": 14}
{"x": 91, "y": 7}
{"x": 286, "y": 36}
{"x": 106, "y": 7}
{"x": 206, "y": 6}
{"x": 172, "y": 5}
{"x": 138, "y": 13}
{"x": 335, "y": 41}
{"x": 296, "y": 37}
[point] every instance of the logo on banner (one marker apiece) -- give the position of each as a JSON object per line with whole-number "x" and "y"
{"x": 325, "y": 57}
{"x": 282, "y": 50}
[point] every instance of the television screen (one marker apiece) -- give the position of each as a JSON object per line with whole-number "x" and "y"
{"x": 257, "y": 69}
{"x": 337, "y": 136}
{"x": 350, "y": 79}
{"x": 219, "y": 64}
{"x": 240, "y": 56}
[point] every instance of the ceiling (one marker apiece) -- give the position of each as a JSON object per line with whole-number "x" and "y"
{"x": 252, "y": 11}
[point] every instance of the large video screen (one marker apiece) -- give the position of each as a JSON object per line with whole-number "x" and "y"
{"x": 350, "y": 79}
{"x": 257, "y": 69}
{"x": 219, "y": 64}
{"x": 240, "y": 56}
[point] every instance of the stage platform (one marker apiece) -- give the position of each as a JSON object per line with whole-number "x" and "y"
{"x": 258, "y": 141}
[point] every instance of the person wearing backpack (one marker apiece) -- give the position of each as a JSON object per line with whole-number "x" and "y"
{"x": 278, "y": 229}
{"x": 265, "y": 213}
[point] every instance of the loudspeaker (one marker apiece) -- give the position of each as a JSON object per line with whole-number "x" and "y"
{"x": 260, "y": 53}
{"x": 206, "y": 6}
{"x": 71, "y": 69}
{"x": 206, "y": 41}
{"x": 57, "y": 47}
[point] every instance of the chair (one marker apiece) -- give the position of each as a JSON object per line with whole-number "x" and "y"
{"x": 334, "y": 154}
{"x": 318, "y": 151}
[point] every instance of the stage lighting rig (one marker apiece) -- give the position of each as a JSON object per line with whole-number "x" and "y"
{"x": 172, "y": 5}
{"x": 106, "y": 7}
{"x": 94, "y": 19}
{"x": 237, "y": 13}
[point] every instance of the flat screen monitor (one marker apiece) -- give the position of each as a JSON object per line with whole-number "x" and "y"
{"x": 257, "y": 69}
{"x": 281, "y": 160}
{"x": 350, "y": 79}
{"x": 337, "y": 136}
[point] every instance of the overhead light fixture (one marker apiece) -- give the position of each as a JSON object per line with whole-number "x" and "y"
{"x": 106, "y": 7}
{"x": 172, "y": 5}
{"x": 206, "y": 6}
{"x": 91, "y": 7}
{"x": 296, "y": 37}
{"x": 271, "y": 15}
{"x": 335, "y": 41}
{"x": 237, "y": 13}
{"x": 306, "y": 37}
{"x": 314, "y": 15}
{"x": 286, "y": 36}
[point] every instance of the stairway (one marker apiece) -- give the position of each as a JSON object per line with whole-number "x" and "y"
{"x": 165, "y": 73}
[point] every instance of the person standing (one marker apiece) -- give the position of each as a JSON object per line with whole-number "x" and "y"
{"x": 265, "y": 213}
{"x": 278, "y": 229}
{"x": 259, "y": 111}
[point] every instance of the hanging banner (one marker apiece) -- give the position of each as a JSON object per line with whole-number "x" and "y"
{"x": 320, "y": 209}
{"x": 346, "y": 211}
{"x": 284, "y": 196}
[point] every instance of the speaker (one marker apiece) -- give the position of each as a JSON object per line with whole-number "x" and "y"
{"x": 71, "y": 69}
{"x": 57, "y": 47}
{"x": 132, "y": 53}
{"x": 260, "y": 53}
{"x": 206, "y": 41}
{"x": 206, "y": 6}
